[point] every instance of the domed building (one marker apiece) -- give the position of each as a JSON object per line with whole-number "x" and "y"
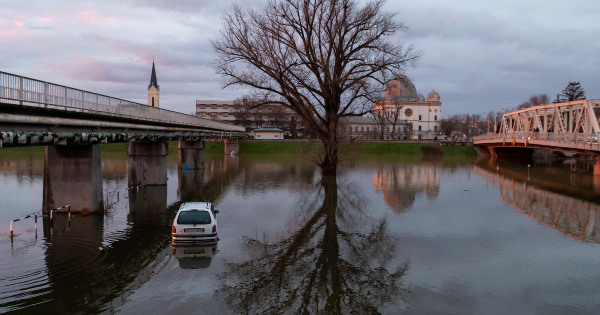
{"x": 406, "y": 106}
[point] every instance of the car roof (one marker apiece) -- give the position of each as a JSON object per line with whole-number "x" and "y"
{"x": 195, "y": 205}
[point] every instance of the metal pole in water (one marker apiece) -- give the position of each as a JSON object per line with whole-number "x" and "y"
{"x": 51, "y": 219}
{"x": 11, "y": 230}
{"x": 69, "y": 215}
{"x": 36, "y": 226}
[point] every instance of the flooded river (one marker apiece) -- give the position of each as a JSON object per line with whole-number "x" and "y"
{"x": 388, "y": 235}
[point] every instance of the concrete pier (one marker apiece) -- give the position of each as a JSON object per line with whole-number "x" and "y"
{"x": 147, "y": 163}
{"x": 73, "y": 176}
{"x": 191, "y": 155}
{"x": 232, "y": 146}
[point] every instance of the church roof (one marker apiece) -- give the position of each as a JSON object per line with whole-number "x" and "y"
{"x": 153, "y": 81}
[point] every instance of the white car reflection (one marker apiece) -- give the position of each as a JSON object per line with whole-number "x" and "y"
{"x": 195, "y": 256}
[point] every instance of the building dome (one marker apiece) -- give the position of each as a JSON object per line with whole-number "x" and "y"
{"x": 420, "y": 98}
{"x": 433, "y": 96}
{"x": 401, "y": 88}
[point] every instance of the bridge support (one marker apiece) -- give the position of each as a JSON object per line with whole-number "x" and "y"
{"x": 191, "y": 155}
{"x": 147, "y": 163}
{"x": 232, "y": 146}
{"x": 73, "y": 176}
{"x": 597, "y": 165}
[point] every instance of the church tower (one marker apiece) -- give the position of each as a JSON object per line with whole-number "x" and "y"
{"x": 153, "y": 89}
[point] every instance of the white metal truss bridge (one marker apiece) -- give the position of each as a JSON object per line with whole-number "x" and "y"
{"x": 569, "y": 126}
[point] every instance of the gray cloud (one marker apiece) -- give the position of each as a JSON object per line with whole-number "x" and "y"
{"x": 478, "y": 55}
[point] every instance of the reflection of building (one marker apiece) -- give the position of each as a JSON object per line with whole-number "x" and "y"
{"x": 402, "y": 103}
{"x": 401, "y": 184}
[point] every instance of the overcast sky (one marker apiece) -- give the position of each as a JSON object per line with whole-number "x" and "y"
{"x": 478, "y": 55}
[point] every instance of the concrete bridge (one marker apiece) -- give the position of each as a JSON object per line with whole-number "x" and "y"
{"x": 71, "y": 123}
{"x": 568, "y": 127}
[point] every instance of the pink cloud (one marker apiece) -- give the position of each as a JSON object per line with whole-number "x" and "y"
{"x": 88, "y": 16}
{"x": 45, "y": 19}
{"x": 19, "y": 24}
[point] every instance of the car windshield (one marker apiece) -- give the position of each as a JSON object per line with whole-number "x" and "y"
{"x": 193, "y": 217}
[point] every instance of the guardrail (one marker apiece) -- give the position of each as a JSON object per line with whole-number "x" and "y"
{"x": 19, "y": 90}
{"x": 590, "y": 138}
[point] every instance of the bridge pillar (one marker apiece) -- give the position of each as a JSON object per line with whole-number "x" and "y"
{"x": 191, "y": 155}
{"x": 232, "y": 146}
{"x": 147, "y": 163}
{"x": 597, "y": 166}
{"x": 73, "y": 176}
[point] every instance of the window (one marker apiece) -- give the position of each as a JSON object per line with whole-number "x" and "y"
{"x": 430, "y": 110}
{"x": 258, "y": 136}
{"x": 368, "y": 129}
{"x": 434, "y": 128}
{"x": 225, "y": 106}
{"x": 153, "y": 101}
{"x": 203, "y": 114}
{"x": 419, "y": 117}
{"x": 194, "y": 217}
{"x": 236, "y": 106}
{"x": 419, "y": 128}
{"x": 224, "y": 114}
{"x": 435, "y": 117}
{"x": 213, "y": 106}
{"x": 202, "y": 106}
{"x": 276, "y": 136}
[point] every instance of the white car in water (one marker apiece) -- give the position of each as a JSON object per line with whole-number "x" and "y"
{"x": 195, "y": 222}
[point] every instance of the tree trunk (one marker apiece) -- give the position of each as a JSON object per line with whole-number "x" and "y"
{"x": 330, "y": 143}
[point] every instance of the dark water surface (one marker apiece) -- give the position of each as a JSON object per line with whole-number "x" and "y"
{"x": 422, "y": 236}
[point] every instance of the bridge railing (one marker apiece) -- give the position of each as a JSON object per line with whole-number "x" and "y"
{"x": 549, "y": 136}
{"x": 25, "y": 91}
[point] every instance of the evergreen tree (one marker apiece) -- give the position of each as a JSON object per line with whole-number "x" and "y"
{"x": 573, "y": 92}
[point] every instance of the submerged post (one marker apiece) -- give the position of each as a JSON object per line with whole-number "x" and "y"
{"x": 232, "y": 146}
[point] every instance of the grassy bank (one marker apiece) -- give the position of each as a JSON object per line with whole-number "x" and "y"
{"x": 116, "y": 150}
{"x": 357, "y": 148}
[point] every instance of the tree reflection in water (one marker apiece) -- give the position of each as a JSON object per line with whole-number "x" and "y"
{"x": 337, "y": 262}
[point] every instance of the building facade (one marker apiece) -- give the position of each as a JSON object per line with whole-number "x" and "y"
{"x": 403, "y": 103}
{"x": 240, "y": 113}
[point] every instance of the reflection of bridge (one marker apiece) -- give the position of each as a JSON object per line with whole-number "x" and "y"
{"x": 91, "y": 270}
{"x": 573, "y": 217}
{"x": 71, "y": 123}
{"x": 570, "y": 126}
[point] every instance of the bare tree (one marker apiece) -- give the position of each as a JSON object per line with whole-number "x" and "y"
{"x": 393, "y": 117}
{"x": 243, "y": 111}
{"x": 540, "y": 99}
{"x": 324, "y": 59}
{"x": 339, "y": 261}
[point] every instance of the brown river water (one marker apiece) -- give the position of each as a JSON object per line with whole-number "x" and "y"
{"x": 391, "y": 235}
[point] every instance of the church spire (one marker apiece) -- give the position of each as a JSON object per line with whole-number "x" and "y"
{"x": 153, "y": 89}
{"x": 153, "y": 81}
